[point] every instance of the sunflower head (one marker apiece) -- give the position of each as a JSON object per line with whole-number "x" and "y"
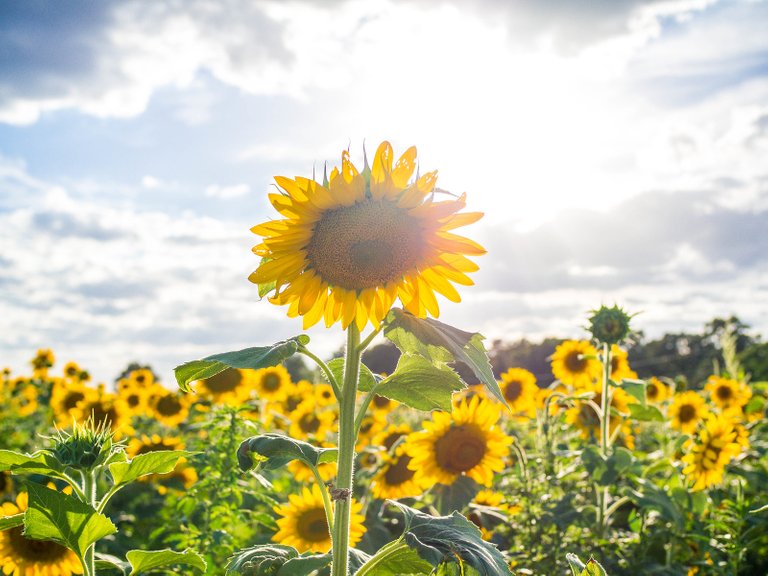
{"x": 88, "y": 445}
{"x": 609, "y": 325}
{"x": 575, "y": 363}
{"x": 346, "y": 250}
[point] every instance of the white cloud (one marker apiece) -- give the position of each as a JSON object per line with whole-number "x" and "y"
{"x": 227, "y": 192}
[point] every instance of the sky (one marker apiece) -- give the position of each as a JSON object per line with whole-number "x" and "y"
{"x": 617, "y": 148}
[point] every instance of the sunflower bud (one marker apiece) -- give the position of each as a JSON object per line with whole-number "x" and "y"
{"x": 88, "y": 445}
{"x": 609, "y": 325}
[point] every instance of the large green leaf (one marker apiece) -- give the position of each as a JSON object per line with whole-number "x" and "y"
{"x": 143, "y": 560}
{"x": 591, "y": 568}
{"x": 305, "y": 565}
{"x": 445, "y": 539}
{"x": 64, "y": 519}
{"x": 158, "y": 462}
{"x": 249, "y": 358}
{"x": 455, "y": 496}
{"x": 274, "y": 451}
{"x": 440, "y": 343}
{"x": 260, "y": 559}
{"x": 395, "y": 559}
{"x": 646, "y": 413}
{"x": 366, "y": 381}
{"x": 7, "y": 522}
{"x": 42, "y": 462}
{"x": 418, "y": 383}
{"x": 635, "y": 388}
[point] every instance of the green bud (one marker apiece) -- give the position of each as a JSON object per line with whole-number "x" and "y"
{"x": 88, "y": 445}
{"x": 609, "y": 325}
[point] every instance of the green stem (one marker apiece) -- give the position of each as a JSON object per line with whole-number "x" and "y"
{"x": 89, "y": 490}
{"x": 363, "y": 409}
{"x": 326, "y": 370}
{"x": 347, "y": 438}
{"x": 605, "y": 420}
{"x": 326, "y": 499}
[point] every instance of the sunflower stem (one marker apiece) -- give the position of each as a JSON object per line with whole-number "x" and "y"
{"x": 89, "y": 490}
{"x": 605, "y": 440}
{"x": 347, "y": 439}
{"x": 326, "y": 370}
{"x": 327, "y": 504}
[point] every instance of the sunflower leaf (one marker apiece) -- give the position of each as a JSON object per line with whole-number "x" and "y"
{"x": 64, "y": 519}
{"x": 158, "y": 462}
{"x": 276, "y": 450}
{"x": 7, "y": 522}
{"x": 591, "y": 568}
{"x": 143, "y": 560}
{"x": 248, "y": 358}
{"x": 645, "y": 413}
{"x": 395, "y": 559}
{"x": 606, "y": 471}
{"x": 418, "y": 383}
{"x": 440, "y": 343}
{"x": 278, "y": 560}
{"x": 635, "y": 388}
{"x": 41, "y": 462}
{"x": 451, "y": 539}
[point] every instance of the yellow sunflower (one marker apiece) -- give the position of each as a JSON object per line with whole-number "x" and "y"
{"x": 575, "y": 363}
{"x": 303, "y": 524}
{"x": 584, "y": 416}
{"x": 656, "y": 391}
{"x": 65, "y": 399}
{"x": 714, "y": 447}
{"x": 143, "y": 377}
{"x": 136, "y": 397}
{"x": 22, "y": 556}
{"x": 519, "y": 389}
{"x": 306, "y": 422}
{"x": 74, "y": 373}
{"x": 300, "y": 472}
{"x": 104, "y": 406}
{"x": 346, "y": 252}
{"x": 24, "y": 402}
{"x": 272, "y": 384}
{"x": 231, "y": 387}
{"x": 169, "y": 408}
{"x": 727, "y": 393}
{"x": 389, "y": 436}
{"x": 43, "y": 360}
{"x": 395, "y": 479}
{"x": 324, "y": 395}
{"x": 620, "y": 369}
{"x": 466, "y": 442}
{"x": 372, "y": 423}
{"x": 686, "y": 411}
{"x": 384, "y": 406}
{"x": 301, "y": 393}
{"x": 153, "y": 443}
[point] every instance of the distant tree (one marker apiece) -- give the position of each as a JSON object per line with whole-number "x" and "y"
{"x": 298, "y": 369}
{"x": 754, "y": 360}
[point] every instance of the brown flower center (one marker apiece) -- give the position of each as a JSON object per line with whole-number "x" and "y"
{"x": 724, "y": 392}
{"x": 574, "y": 362}
{"x": 270, "y": 382}
{"x": 71, "y": 400}
{"x": 381, "y": 401}
{"x": 364, "y": 245}
{"x": 309, "y": 423}
{"x": 687, "y": 413}
{"x": 35, "y": 550}
{"x": 652, "y": 391}
{"x": 168, "y": 405}
{"x": 460, "y": 449}
{"x": 398, "y": 472}
{"x": 312, "y": 525}
{"x": 513, "y": 390}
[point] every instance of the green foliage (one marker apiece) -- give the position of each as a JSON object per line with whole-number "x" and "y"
{"x": 251, "y": 358}
{"x": 144, "y": 560}
{"x": 420, "y": 384}
{"x": 441, "y": 344}
{"x": 274, "y": 451}
{"x": 591, "y": 568}
{"x": 160, "y": 462}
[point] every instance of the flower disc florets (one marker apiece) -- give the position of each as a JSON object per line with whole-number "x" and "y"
{"x": 609, "y": 325}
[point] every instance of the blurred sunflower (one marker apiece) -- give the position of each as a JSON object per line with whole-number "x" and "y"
{"x": 43, "y": 360}
{"x": 324, "y": 395}
{"x": 298, "y": 394}
{"x": 136, "y": 397}
{"x": 65, "y": 399}
{"x": 371, "y": 424}
{"x": 22, "y": 556}
{"x": 169, "y": 408}
{"x": 300, "y": 472}
{"x": 231, "y": 387}
{"x": 714, "y": 447}
{"x": 656, "y": 391}
{"x": 620, "y": 369}
{"x": 727, "y": 393}
{"x": 346, "y": 252}
{"x": 389, "y": 436}
{"x": 465, "y": 442}
{"x": 25, "y": 401}
{"x": 153, "y": 443}
{"x": 686, "y": 411}
{"x": 395, "y": 479}
{"x": 74, "y": 373}
{"x": 104, "y": 407}
{"x": 307, "y": 422}
{"x": 519, "y": 389}
{"x": 575, "y": 363}
{"x": 383, "y": 405}
{"x": 272, "y": 384}
{"x": 303, "y": 524}
{"x": 143, "y": 377}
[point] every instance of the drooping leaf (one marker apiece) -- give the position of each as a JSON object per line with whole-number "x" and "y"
{"x": 367, "y": 379}
{"x": 439, "y": 539}
{"x": 249, "y": 358}
{"x": 304, "y": 565}
{"x": 440, "y": 343}
{"x": 635, "y": 388}
{"x": 64, "y": 519}
{"x": 645, "y": 413}
{"x": 606, "y": 471}
{"x": 591, "y": 568}
{"x": 158, "y": 462}
{"x": 455, "y": 496}
{"x": 8, "y": 522}
{"x": 418, "y": 383}
{"x": 260, "y": 559}
{"x": 274, "y": 451}
{"x": 109, "y": 563}
{"x": 143, "y": 560}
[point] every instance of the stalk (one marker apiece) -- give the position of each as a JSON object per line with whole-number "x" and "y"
{"x": 347, "y": 437}
{"x": 89, "y": 491}
{"x": 605, "y": 440}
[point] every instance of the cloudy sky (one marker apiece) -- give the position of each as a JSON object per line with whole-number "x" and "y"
{"x": 618, "y": 149}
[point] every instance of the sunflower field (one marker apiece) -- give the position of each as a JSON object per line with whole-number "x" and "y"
{"x": 252, "y": 463}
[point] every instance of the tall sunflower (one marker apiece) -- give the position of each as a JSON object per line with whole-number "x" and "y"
{"x": 686, "y": 411}
{"x": 715, "y": 446}
{"x": 656, "y": 391}
{"x": 727, "y": 393}
{"x": 465, "y": 442}
{"x": 346, "y": 251}
{"x": 22, "y": 556}
{"x": 575, "y": 363}
{"x": 303, "y": 524}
